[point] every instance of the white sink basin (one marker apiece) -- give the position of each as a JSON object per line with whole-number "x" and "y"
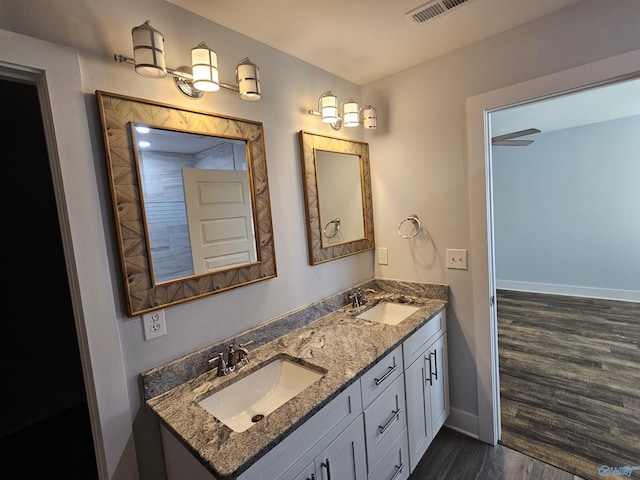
{"x": 389, "y": 313}
{"x": 247, "y": 401}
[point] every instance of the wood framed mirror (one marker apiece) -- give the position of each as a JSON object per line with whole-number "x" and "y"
{"x": 192, "y": 207}
{"x": 336, "y": 178}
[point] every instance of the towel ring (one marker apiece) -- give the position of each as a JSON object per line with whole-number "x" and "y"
{"x": 336, "y": 229}
{"x": 416, "y": 222}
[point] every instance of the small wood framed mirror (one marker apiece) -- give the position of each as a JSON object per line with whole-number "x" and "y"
{"x": 336, "y": 178}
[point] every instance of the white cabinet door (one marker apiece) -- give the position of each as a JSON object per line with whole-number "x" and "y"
{"x": 439, "y": 388}
{"x": 345, "y": 458}
{"x": 419, "y": 429}
{"x": 427, "y": 391}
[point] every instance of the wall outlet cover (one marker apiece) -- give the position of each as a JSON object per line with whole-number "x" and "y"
{"x": 154, "y": 324}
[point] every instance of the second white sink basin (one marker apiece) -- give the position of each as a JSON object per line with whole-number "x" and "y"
{"x": 389, "y": 313}
{"x": 247, "y": 401}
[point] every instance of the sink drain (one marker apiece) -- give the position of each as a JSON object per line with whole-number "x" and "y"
{"x": 257, "y": 418}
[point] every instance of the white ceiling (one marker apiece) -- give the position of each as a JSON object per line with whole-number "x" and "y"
{"x": 365, "y": 40}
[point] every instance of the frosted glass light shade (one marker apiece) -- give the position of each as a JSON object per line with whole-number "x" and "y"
{"x": 148, "y": 51}
{"x": 204, "y": 65}
{"x": 350, "y": 113}
{"x": 369, "y": 116}
{"x": 328, "y": 107}
{"x": 248, "y": 80}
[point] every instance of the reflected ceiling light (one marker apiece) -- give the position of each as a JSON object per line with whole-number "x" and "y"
{"x": 201, "y": 76}
{"x": 349, "y": 114}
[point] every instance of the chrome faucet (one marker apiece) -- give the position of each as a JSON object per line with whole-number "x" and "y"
{"x": 359, "y": 297}
{"x": 363, "y": 295}
{"x": 237, "y": 357}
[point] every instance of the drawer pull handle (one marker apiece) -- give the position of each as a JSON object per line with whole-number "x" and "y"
{"x": 395, "y": 416}
{"x": 429, "y": 379}
{"x": 398, "y": 471}
{"x": 325, "y": 464}
{"x": 386, "y": 375}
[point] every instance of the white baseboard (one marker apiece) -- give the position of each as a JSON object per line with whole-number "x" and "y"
{"x": 463, "y": 422}
{"x": 570, "y": 290}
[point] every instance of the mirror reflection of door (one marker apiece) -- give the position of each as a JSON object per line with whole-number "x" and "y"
{"x": 340, "y": 190}
{"x": 218, "y": 204}
{"x": 162, "y": 159}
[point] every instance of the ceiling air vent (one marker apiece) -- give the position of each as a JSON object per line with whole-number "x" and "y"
{"x": 433, "y": 9}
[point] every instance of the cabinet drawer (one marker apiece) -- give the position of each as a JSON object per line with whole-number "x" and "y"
{"x": 384, "y": 419}
{"x": 394, "y": 463}
{"x": 413, "y": 346}
{"x": 381, "y": 375}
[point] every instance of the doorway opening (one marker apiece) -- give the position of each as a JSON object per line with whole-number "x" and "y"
{"x": 608, "y": 71}
{"x": 45, "y": 407}
{"x": 562, "y": 202}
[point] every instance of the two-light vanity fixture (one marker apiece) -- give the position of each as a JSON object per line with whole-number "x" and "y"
{"x": 348, "y": 113}
{"x": 202, "y": 76}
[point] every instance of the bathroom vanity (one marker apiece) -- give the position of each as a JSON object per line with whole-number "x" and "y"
{"x": 380, "y": 399}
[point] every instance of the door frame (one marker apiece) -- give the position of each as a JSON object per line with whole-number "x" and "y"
{"x": 55, "y": 70}
{"x": 479, "y": 107}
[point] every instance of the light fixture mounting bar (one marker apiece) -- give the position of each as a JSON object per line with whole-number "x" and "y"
{"x": 184, "y": 76}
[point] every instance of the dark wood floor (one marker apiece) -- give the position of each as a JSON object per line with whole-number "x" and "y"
{"x": 570, "y": 381}
{"x": 454, "y": 456}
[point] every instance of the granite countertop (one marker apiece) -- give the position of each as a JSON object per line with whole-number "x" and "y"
{"x": 339, "y": 343}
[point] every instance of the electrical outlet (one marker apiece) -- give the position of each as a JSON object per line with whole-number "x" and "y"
{"x": 154, "y": 325}
{"x": 456, "y": 258}
{"x": 383, "y": 257}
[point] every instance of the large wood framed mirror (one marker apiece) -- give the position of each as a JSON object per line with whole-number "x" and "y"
{"x": 337, "y": 192}
{"x": 191, "y": 201}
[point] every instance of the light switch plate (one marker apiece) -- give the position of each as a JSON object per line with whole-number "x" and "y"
{"x": 383, "y": 256}
{"x": 456, "y": 258}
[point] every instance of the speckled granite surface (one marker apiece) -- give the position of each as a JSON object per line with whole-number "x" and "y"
{"x": 325, "y": 335}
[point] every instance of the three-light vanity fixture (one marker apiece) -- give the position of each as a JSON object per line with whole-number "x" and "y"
{"x": 202, "y": 76}
{"x": 348, "y": 113}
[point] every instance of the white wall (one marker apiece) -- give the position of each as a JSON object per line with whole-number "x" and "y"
{"x": 566, "y": 211}
{"x": 418, "y": 161}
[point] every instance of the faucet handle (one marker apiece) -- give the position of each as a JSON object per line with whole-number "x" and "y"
{"x": 222, "y": 366}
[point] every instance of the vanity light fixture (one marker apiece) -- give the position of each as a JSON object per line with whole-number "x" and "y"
{"x": 202, "y": 76}
{"x": 349, "y": 113}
